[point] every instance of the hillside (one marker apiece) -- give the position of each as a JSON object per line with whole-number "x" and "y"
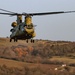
{"x": 22, "y": 56}
{"x": 41, "y": 48}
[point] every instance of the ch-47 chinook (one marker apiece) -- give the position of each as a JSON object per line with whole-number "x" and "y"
{"x": 25, "y": 30}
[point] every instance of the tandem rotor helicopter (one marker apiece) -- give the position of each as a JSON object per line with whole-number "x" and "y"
{"x": 25, "y": 30}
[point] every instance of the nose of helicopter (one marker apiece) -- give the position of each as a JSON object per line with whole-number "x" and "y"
{"x": 29, "y": 31}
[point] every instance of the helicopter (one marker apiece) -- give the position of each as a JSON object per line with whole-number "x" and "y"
{"x": 25, "y": 30}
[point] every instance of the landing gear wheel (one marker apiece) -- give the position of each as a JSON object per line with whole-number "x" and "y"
{"x": 27, "y": 40}
{"x": 32, "y": 41}
{"x": 15, "y": 39}
{"x": 10, "y": 40}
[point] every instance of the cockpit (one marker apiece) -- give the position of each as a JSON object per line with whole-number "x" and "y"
{"x": 29, "y": 26}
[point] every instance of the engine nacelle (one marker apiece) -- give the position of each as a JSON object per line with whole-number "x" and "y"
{"x": 14, "y": 24}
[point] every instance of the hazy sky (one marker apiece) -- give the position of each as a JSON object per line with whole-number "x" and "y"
{"x": 52, "y": 27}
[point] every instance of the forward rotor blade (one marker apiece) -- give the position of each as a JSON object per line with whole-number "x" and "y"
{"x": 49, "y": 13}
{"x": 6, "y": 13}
{"x": 12, "y": 14}
{"x": 6, "y": 10}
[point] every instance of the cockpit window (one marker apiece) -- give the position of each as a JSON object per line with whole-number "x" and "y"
{"x": 29, "y": 26}
{"x": 12, "y": 30}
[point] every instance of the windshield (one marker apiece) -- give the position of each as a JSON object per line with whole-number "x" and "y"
{"x": 29, "y": 26}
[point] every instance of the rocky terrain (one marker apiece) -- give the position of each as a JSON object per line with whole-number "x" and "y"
{"x": 44, "y": 57}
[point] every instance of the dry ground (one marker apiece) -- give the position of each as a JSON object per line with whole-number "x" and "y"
{"x": 42, "y": 57}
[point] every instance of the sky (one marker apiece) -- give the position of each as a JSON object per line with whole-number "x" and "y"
{"x": 49, "y": 27}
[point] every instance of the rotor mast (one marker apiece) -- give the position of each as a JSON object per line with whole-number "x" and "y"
{"x": 19, "y": 19}
{"x": 28, "y": 20}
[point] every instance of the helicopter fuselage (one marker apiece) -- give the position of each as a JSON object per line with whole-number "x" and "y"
{"x": 22, "y": 32}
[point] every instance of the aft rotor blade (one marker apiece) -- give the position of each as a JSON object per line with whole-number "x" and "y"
{"x": 6, "y": 10}
{"x": 49, "y": 13}
{"x": 34, "y": 25}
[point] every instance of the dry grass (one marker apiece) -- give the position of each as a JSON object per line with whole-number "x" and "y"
{"x": 62, "y": 59}
{"x": 37, "y": 51}
{"x": 11, "y": 63}
{"x": 10, "y": 67}
{"x": 19, "y": 64}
